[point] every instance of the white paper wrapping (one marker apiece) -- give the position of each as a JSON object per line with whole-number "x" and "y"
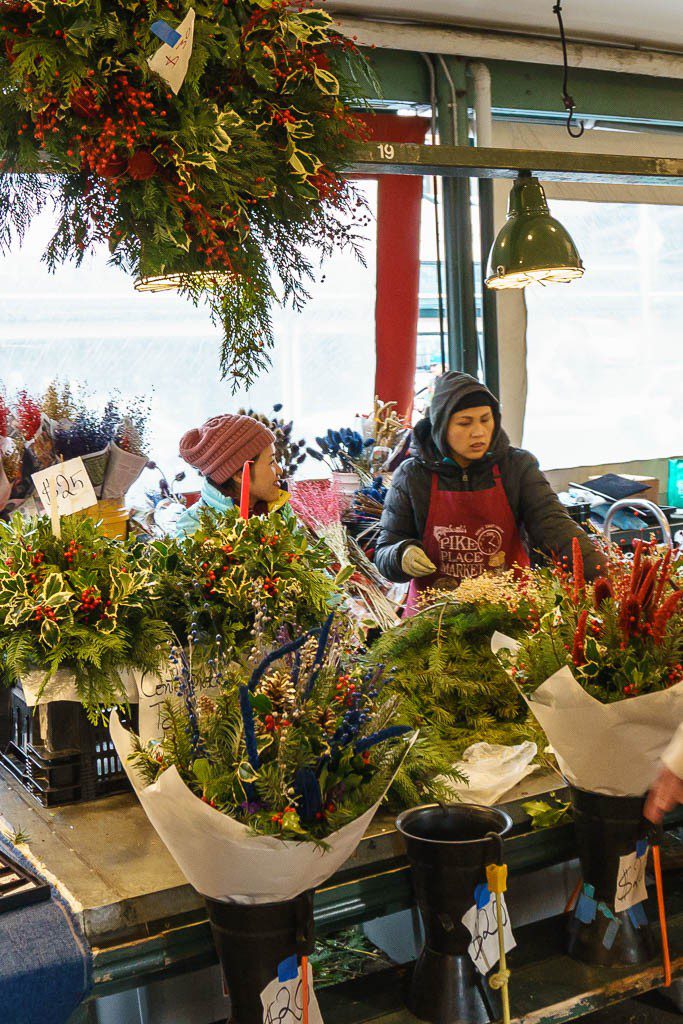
{"x": 62, "y": 686}
{"x": 219, "y": 856}
{"x": 123, "y": 469}
{"x": 491, "y": 770}
{"x": 604, "y": 748}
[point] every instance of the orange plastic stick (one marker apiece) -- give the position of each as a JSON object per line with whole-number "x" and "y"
{"x": 574, "y": 896}
{"x": 662, "y": 915}
{"x": 304, "y": 989}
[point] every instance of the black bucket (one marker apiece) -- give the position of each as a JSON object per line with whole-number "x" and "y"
{"x": 252, "y": 940}
{"x": 448, "y": 849}
{"x": 607, "y": 828}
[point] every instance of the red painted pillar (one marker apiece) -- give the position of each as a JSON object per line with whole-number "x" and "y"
{"x": 399, "y": 199}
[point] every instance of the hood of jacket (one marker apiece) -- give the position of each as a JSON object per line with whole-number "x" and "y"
{"x": 430, "y": 444}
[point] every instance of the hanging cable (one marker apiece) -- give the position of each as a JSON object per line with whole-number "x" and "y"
{"x": 577, "y": 129}
{"x": 437, "y": 230}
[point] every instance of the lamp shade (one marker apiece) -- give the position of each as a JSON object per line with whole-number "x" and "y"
{"x": 531, "y": 245}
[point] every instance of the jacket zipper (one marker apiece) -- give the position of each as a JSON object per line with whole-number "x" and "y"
{"x": 466, "y": 479}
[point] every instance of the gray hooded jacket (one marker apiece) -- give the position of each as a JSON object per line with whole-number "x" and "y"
{"x": 544, "y": 525}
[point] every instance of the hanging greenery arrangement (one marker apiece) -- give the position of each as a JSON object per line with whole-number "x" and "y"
{"x": 225, "y": 180}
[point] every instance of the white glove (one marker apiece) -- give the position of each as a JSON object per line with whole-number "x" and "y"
{"x": 414, "y": 562}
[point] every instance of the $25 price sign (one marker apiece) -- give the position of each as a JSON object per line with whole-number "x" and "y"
{"x": 69, "y": 483}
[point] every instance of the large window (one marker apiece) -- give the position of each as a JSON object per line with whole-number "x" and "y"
{"x": 604, "y": 353}
{"x": 89, "y": 325}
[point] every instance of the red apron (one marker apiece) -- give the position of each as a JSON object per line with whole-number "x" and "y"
{"x": 468, "y": 533}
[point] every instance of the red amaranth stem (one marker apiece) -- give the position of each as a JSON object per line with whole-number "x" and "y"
{"x": 578, "y": 652}
{"x": 665, "y": 614}
{"x": 578, "y": 569}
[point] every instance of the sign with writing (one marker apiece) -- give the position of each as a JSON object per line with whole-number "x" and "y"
{"x": 631, "y": 879}
{"x": 68, "y": 484}
{"x": 172, "y": 62}
{"x": 283, "y": 1001}
{"x": 481, "y": 921}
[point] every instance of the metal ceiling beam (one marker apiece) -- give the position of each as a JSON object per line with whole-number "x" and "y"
{"x": 478, "y": 162}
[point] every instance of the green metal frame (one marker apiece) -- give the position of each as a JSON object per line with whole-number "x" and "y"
{"x": 480, "y": 162}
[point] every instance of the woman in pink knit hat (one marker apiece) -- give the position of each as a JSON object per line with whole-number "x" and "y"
{"x": 219, "y": 450}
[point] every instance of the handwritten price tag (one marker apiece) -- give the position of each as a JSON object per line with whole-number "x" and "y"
{"x": 283, "y": 1001}
{"x": 481, "y": 922}
{"x": 172, "y": 62}
{"x": 70, "y": 483}
{"x": 631, "y": 879}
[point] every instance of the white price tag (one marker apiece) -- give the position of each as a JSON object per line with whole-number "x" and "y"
{"x": 172, "y": 62}
{"x": 283, "y": 1001}
{"x": 70, "y": 484}
{"x": 631, "y": 879}
{"x": 482, "y": 924}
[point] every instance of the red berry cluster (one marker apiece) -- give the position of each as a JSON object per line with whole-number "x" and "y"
{"x": 92, "y": 602}
{"x": 345, "y": 692}
{"x": 329, "y": 808}
{"x": 279, "y": 815}
{"x": 71, "y": 552}
{"x": 275, "y": 723}
{"x": 44, "y": 611}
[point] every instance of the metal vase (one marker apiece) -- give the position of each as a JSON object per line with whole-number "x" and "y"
{"x": 448, "y": 849}
{"x": 607, "y": 828}
{"x": 252, "y": 940}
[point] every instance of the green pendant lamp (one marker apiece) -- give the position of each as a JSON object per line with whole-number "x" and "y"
{"x": 531, "y": 245}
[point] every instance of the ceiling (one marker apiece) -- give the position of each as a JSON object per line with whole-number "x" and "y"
{"x": 651, "y": 23}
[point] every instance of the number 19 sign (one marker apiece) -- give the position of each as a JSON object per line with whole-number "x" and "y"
{"x": 69, "y": 483}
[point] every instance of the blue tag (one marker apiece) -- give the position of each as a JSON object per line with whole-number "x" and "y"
{"x": 606, "y": 912}
{"x": 287, "y": 969}
{"x": 641, "y": 847}
{"x": 637, "y": 915}
{"x": 589, "y": 890}
{"x": 611, "y": 933}
{"x": 164, "y": 32}
{"x": 482, "y": 895}
{"x": 586, "y": 909}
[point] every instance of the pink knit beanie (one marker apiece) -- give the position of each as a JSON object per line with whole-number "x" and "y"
{"x": 220, "y": 447}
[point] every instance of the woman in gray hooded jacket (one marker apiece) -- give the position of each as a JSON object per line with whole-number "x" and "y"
{"x": 466, "y": 501}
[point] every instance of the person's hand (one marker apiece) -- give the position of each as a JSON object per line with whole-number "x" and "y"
{"x": 665, "y": 794}
{"x": 414, "y": 562}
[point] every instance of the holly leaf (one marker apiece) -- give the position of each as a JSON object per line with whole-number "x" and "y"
{"x": 55, "y": 591}
{"x": 546, "y": 815}
{"x": 261, "y": 703}
{"x": 326, "y": 81}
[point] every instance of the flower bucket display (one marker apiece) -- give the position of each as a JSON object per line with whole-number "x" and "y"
{"x": 449, "y": 849}
{"x": 609, "y": 830}
{"x": 263, "y": 790}
{"x": 601, "y": 672}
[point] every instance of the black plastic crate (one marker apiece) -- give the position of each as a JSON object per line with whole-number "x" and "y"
{"x": 19, "y": 887}
{"x": 59, "y": 756}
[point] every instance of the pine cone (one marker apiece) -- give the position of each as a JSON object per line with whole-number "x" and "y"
{"x": 205, "y": 706}
{"x": 278, "y": 688}
{"x": 327, "y": 720}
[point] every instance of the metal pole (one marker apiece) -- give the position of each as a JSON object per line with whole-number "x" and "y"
{"x": 462, "y": 333}
{"x": 481, "y": 80}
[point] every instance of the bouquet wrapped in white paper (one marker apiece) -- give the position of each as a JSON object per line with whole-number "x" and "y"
{"x": 289, "y": 760}
{"x": 263, "y": 790}
{"x": 602, "y": 670}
